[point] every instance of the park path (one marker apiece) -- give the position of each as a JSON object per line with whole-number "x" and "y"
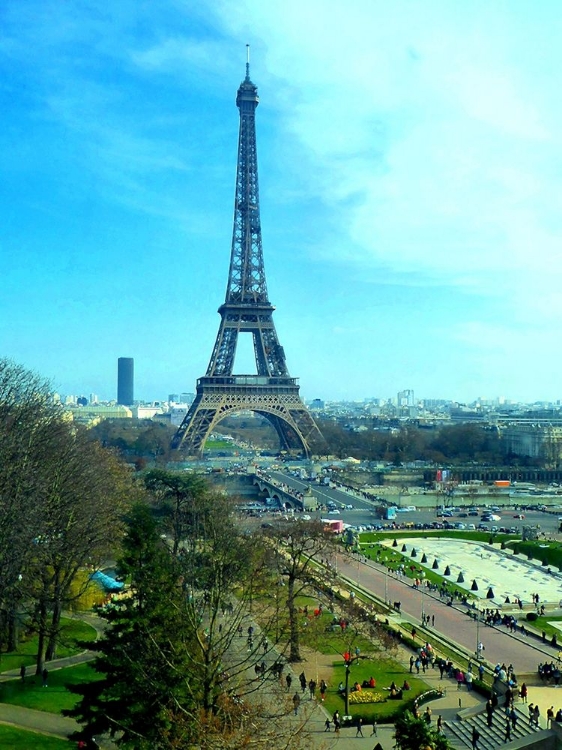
{"x": 452, "y": 623}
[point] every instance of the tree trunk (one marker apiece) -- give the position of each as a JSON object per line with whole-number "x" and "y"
{"x": 13, "y": 630}
{"x": 294, "y": 645}
{"x": 42, "y": 637}
{"x": 54, "y": 634}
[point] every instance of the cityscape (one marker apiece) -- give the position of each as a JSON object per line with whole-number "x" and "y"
{"x": 224, "y": 563}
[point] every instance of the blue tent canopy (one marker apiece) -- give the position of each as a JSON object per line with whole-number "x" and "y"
{"x": 106, "y": 582}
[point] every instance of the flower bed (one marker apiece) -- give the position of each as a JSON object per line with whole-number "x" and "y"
{"x": 366, "y": 696}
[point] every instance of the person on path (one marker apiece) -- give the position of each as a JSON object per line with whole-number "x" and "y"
{"x": 412, "y": 660}
{"x": 45, "y": 676}
{"x": 549, "y": 717}
{"x": 474, "y": 738}
{"x": 481, "y": 672}
{"x": 323, "y": 688}
{"x": 531, "y": 713}
{"x": 460, "y": 679}
{"x": 507, "y": 736}
{"x": 327, "y": 725}
{"x": 288, "y": 680}
{"x": 489, "y": 712}
{"x": 513, "y": 717}
{"x": 337, "y": 722}
{"x": 312, "y": 689}
{"x": 440, "y": 724}
{"x": 302, "y": 679}
{"x": 468, "y": 679}
{"x": 22, "y": 672}
{"x": 524, "y": 692}
{"x": 359, "y": 727}
{"x": 296, "y": 703}
{"x": 374, "y": 732}
{"x": 427, "y": 716}
{"x": 536, "y": 715}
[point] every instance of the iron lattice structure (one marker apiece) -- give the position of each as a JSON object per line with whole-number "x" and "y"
{"x": 272, "y": 392}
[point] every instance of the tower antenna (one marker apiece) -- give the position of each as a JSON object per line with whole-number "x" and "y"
{"x": 247, "y": 62}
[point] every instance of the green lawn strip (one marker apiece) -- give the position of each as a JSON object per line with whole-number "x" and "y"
{"x": 393, "y": 558}
{"x": 542, "y": 624}
{"x": 53, "y": 698}
{"x": 21, "y": 739}
{"x": 73, "y": 631}
{"x": 547, "y": 552}
{"x": 473, "y": 536}
{"x": 384, "y": 671}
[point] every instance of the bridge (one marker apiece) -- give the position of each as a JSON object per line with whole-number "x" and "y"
{"x": 288, "y": 497}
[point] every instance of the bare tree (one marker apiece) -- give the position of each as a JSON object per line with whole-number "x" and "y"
{"x": 300, "y": 546}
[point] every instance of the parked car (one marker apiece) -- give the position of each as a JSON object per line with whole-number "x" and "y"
{"x": 474, "y": 512}
{"x": 520, "y": 516}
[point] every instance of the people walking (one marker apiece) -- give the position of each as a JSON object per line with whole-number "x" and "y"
{"x": 507, "y": 736}
{"x": 536, "y": 716}
{"x": 336, "y": 721}
{"x": 45, "y": 676}
{"x": 523, "y": 692}
{"x": 327, "y": 725}
{"x": 288, "y": 680}
{"x": 549, "y": 717}
{"x": 474, "y": 738}
{"x": 359, "y": 727}
{"x": 296, "y": 703}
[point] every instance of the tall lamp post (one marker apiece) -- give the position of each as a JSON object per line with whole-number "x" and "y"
{"x": 422, "y": 576}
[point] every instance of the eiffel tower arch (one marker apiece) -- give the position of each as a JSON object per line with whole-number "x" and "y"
{"x": 272, "y": 392}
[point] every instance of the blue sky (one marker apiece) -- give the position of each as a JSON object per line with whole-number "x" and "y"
{"x": 410, "y": 165}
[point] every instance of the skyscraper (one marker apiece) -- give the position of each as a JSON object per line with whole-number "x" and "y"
{"x": 125, "y": 381}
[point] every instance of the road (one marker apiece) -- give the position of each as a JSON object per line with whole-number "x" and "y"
{"x": 523, "y": 652}
{"x": 363, "y": 515}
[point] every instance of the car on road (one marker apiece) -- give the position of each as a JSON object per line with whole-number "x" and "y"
{"x": 463, "y": 515}
{"x": 474, "y": 512}
{"x": 520, "y": 516}
{"x": 460, "y": 526}
{"x": 349, "y": 507}
{"x": 333, "y": 512}
{"x": 471, "y": 527}
{"x": 483, "y": 526}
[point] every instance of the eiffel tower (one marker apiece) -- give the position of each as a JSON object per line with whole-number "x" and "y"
{"x": 272, "y": 392}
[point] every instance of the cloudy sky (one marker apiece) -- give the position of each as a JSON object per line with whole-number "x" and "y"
{"x": 410, "y": 158}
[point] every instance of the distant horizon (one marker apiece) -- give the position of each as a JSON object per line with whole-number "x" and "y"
{"x": 409, "y": 190}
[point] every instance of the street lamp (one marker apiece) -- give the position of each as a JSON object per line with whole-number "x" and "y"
{"x": 422, "y": 576}
{"x": 385, "y": 584}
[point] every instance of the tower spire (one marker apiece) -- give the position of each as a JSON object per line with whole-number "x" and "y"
{"x": 271, "y": 391}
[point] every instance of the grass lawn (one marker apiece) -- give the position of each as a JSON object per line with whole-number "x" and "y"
{"x": 20, "y": 739}
{"x": 543, "y": 624}
{"x": 384, "y": 671}
{"x": 72, "y": 631}
{"x": 53, "y": 698}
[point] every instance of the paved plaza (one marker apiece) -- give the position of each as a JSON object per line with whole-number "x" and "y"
{"x": 507, "y": 575}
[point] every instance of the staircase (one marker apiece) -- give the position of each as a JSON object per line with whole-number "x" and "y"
{"x": 459, "y": 733}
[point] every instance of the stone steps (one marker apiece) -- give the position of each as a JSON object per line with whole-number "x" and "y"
{"x": 459, "y": 733}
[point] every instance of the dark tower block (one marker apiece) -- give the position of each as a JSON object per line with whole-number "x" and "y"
{"x": 125, "y": 381}
{"x": 272, "y": 392}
